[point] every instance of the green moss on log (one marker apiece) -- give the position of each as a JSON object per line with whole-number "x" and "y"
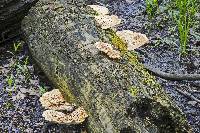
{"x": 155, "y": 113}
{"x": 64, "y": 88}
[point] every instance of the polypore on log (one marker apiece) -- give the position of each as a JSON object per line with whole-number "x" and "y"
{"x": 118, "y": 95}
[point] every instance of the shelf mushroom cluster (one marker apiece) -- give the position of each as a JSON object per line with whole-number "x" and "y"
{"x": 104, "y": 20}
{"x": 59, "y": 111}
{"x": 133, "y": 40}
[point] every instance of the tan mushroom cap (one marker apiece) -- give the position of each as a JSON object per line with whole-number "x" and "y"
{"x": 76, "y": 117}
{"x": 55, "y": 101}
{"x": 106, "y": 21}
{"x": 133, "y": 39}
{"x": 57, "y": 117}
{"x": 79, "y": 115}
{"x": 101, "y": 10}
{"x": 108, "y": 49}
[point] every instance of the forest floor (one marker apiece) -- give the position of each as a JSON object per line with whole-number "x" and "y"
{"x": 21, "y": 85}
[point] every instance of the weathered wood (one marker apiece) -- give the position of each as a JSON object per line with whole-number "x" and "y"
{"x": 119, "y": 95}
{"x": 11, "y": 14}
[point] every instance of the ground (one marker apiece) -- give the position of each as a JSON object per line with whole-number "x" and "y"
{"x": 21, "y": 85}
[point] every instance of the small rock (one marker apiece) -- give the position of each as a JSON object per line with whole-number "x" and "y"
{"x": 18, "y": 96}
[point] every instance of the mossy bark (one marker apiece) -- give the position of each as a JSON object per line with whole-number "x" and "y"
{"x": 119, "y": 95}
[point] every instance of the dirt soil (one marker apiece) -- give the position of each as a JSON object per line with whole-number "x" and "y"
{"x": 21, "y": 85}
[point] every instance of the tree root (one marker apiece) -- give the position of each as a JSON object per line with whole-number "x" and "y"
{"x": 170, "y": 76}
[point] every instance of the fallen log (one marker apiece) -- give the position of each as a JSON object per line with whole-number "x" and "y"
{"x": 119, "y": 95}
{"x": 11, "y": 14}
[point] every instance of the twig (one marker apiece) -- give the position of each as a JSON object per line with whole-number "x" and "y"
{"x": 170, "y": 76}
{"x": 188, "y": 95}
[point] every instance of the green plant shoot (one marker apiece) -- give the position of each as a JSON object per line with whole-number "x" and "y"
{"x": 185, "y": 20}
{"x": 151, "y": 7}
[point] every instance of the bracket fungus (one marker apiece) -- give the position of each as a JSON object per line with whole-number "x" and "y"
{"x": 101, "y": 10}
{"x": 133, "y": 39}
{"x": 108, "y": 49}
{"x": 76, "y": 117}
{"x": 59, "y": 111}
{"x": 55, "y": 101}
{"x": 107, "y": 21}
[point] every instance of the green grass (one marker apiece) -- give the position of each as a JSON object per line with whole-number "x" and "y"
{"x": 18, "y": 67}
{"x": 42, "y": 90}
{"x": 17, "y": 46}
{"x": 151, "y": 8}
{"x": 185, "y": 19}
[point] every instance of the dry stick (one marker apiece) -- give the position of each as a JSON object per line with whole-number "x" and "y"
{"x": 188, "y": 95}
{"x": 170, "y": 76}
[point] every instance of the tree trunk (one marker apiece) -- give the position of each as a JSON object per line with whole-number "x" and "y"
{"x": 11, "y": 14}
{"x": 119, "y": 95}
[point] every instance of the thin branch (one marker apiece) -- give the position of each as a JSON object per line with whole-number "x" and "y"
{"x": 188, "y": 95}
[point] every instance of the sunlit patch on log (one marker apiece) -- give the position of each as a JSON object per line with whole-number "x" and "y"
{"x": 133, "y": 39}
{"x": 101, "y": 10}
{"x": 108, "y": 49}
{"x": 106, "y": 21}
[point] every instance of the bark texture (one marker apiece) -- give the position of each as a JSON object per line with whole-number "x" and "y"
{"x": 119, "y": 95}
{"x": 11, "y": 14}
